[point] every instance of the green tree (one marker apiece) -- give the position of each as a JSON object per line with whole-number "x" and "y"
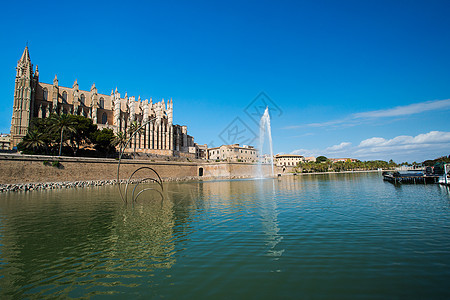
{"x": 42, "y": 127}
{"x": 33, "y": 141}
{"x": 61, "y": 123}
{"x": 120, "y": 140}
{"x": 432, "y": 162}
{"x": 104, "y": 140}
{"x": 320, "y": 159}
{"x": 84, "y": 131}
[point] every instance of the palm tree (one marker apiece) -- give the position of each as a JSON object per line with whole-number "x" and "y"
{"x": 61, "y": 123}
{"x": 120, "y": 140}
{"x": 135, "y": 127}
{"x": 33, "y": 140}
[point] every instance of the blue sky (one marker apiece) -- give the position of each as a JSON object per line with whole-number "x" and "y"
{"x": 361, "y": 79}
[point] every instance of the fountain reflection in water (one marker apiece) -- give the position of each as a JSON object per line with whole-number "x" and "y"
{"x": 264, "y": 130}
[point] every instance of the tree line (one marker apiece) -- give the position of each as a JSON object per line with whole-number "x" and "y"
{"x": 69, "y": 135}
{"x": 432, "y": 162}
{"x": 322, "y": 164}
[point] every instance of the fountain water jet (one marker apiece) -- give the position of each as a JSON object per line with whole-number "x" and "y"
{"x": 264, "y": 127}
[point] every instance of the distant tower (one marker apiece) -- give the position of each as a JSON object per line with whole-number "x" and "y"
{"x": 76, "y": 99}
{"x": 55, "y": 93}
{"x": 94, "y": 103}
{"x": 25, "y": 85}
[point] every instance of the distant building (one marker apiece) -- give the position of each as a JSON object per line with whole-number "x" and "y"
{"x": 5, "y": 142}
{"x": 233, "y": 153}
{"x": 201, "y": 151}
{"x": 288, "y": 160}
{"x": 265, "y": 159}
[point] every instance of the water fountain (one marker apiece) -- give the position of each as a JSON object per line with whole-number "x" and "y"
{"x": 264, "y": 128}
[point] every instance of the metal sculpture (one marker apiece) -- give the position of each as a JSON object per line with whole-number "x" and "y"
{"x": 157, "y": 180}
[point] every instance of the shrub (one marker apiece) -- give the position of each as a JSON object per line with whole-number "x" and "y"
{"x": 46, "y": 163}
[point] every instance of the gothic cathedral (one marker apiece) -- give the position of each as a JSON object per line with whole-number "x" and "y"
{"x": 34, "y": 99}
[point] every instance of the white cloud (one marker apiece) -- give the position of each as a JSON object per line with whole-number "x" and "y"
{"x": 339, "y": 147}
{"x": 307, "y": 152}
{"x": 432, "y": 137}
{"x": 358, "y": 118}
{"x": 401, "y": 148}
{"x": 372, "y": 142}
{"x": 411, "y": 109}
{"x": 303, "y": 135}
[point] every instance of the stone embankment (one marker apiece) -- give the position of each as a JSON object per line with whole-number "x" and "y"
{"x": 27, "y": 172}
{"x": 82, "y": 184}
{"x": 53, "y": 185}
{"x": 75, "y": 184}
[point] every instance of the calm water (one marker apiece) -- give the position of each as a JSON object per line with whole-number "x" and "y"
{"x": 314, "y": 237}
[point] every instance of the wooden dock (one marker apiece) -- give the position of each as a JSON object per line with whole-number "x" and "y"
{"x": 413, "y": 178}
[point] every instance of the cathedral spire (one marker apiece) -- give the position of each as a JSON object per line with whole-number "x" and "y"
{"x": 55, "y": 80}
{"x": 25, "y": 56}
{"x": 24, "y": 66}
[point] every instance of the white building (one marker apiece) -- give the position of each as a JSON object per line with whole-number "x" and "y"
{"x": 288, "y": 160}
{"x": 233, "y": 153}
{"x": 5, "y": 142}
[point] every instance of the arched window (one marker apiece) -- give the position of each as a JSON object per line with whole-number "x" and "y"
{"x": 101, "y": 103}
{"x": 82, "y": 99}
{"x": 104, "y": 118}
{"x": 45, "y": 94}
{"x": 65, "y": 111}
{"x": 64, "y": 97}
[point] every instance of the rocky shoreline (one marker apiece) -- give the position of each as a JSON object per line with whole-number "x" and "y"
{"x": 26, "y": 187}
{"x": 18, "y": 187}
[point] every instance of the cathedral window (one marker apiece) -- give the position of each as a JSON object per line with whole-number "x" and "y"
{"x": 101, "y": 103}
{"x": 64, "y": 97}
{"x": 45, "y": 94}
{"x": 82, "y": 99}
{"x": 104, "y": 118}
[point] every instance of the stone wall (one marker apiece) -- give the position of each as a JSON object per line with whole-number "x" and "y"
{"x": 34, "y": 169}
{"x": 233, "y": 170}
{"x": 27, "y": 169}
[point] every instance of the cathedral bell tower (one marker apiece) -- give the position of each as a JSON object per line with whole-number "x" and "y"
{"x": 23, "y": 98}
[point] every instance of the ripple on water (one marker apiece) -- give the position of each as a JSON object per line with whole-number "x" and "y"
{"x": 328, "y": 236}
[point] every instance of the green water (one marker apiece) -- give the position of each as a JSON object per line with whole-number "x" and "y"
{"x": 312, "y": 237}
